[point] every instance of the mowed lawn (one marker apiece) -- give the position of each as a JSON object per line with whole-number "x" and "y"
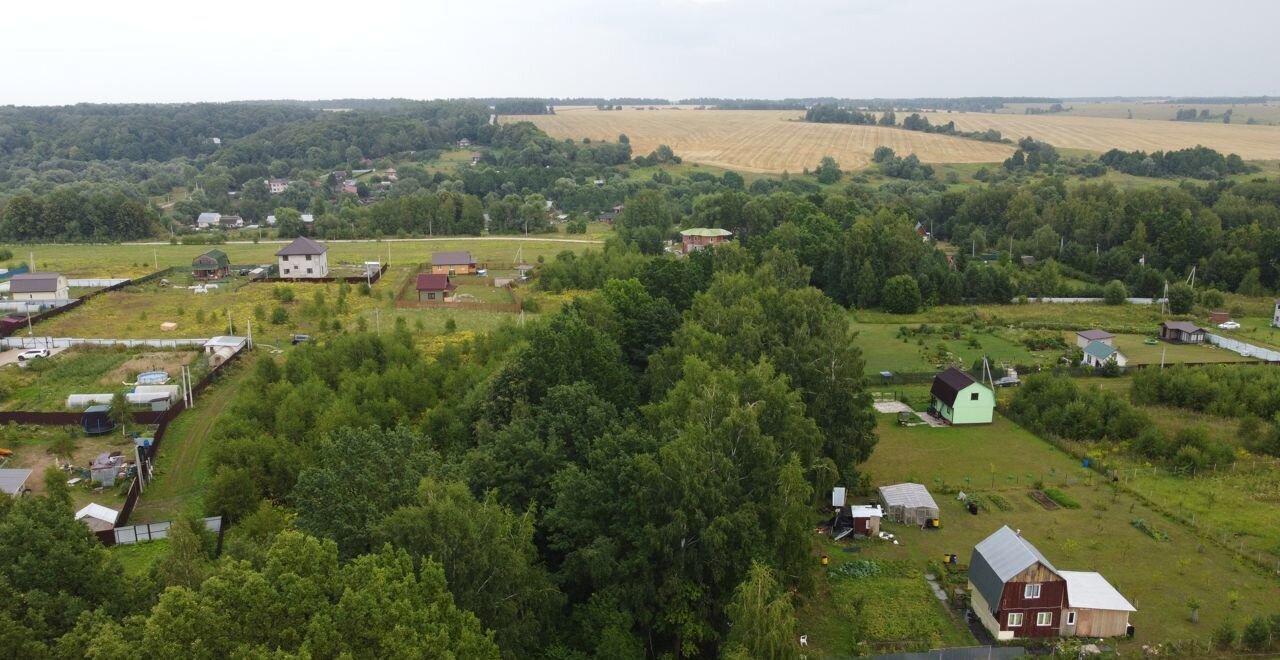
{"x": 1158, "y": 577}
{"x": 1075, "y": 315}
{"x": 884, "y": 350}
{"x": 1138, "y": 352}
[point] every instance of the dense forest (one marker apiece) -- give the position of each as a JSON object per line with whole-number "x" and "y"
{"x": 384, "y": 502}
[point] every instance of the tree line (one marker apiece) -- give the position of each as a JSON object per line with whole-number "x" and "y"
{"x": 1197, "y": 162}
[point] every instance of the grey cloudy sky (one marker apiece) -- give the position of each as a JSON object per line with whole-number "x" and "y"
{"x": 176, "y": 50}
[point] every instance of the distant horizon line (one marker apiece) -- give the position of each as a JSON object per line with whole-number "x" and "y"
{"x": 1010, "y": 98}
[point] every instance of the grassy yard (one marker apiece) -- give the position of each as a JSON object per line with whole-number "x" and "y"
{"x": 182, "y": 469}
{"x": 884, "y": 350}
{"x": 45, "y": 385}
{"x": 137, "y": 558}
{"x": 1082, "y": 315}
{"x": 1001, "y": 462}
{"x": 1141, "y": 353}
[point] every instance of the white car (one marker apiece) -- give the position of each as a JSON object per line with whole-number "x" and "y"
{"x": 33, "y": 353}
{"x": 1229, "y": 325}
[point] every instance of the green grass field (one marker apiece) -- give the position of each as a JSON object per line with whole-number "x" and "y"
{"x": 884, "y": 350}
{"x": 1003, "y": 460}
{"x": 1083, "y": 315}
{"x": 137, "y": 558}
{"x": 133, "y": 260}
{"x": 1138, "y": 352}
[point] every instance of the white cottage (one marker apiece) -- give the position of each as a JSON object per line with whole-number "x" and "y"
{"x": 38, "y": 286}
{"x": 303, "y": 259}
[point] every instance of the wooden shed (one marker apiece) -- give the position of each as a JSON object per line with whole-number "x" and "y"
{"x": 1182, "y": 332}
{"x": 1094, "y": 607}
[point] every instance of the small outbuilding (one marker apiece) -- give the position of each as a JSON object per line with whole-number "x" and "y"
{"x": 1098, "y": 354}
{"x": 13, "y": 481}
{"x": 434, "y": 287}
{"x": 1094, "y": 607}
{"x": 959, "y": 399}
{"x": 212, "y": 265}
{"x": 97, "y": 517}
{"x": 96, "y": 420}
{"x": 909, "y": 503}
{"x": 1085, "y": 336}
{"x": 1182, "y": 332}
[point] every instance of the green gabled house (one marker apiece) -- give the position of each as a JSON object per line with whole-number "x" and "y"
{"x": 959, "y": 399}
{"x": 212, "y": 265}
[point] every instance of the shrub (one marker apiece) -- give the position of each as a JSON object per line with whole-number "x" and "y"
{"x": 1181, "y": 298}
{"x": 901, "y": 295}
{"x": 282, "y": 293}
{"x": 1225, "y": 636}
{"x": 1257, "y": 634}
{"x": 853, "y": 570}
{"x": 1114, "y": 293}
{"x": 279, "y": 316}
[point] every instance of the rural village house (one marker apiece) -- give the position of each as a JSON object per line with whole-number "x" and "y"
{"x": 698, "y": 238}
{"x": 276, "y": 186}
{"x": 1182, "y": 332}
{"x": 1017, "y": 592}
{"x": 452, "y": 263}
{"x": 208, "y": 219}
{"x": 303, "y": 259}
{"x": 38, "y": 286}
{"x": 211, "y": 265}
{"x": 959, "y": 399}
{"x": 434, "y": 287}
{"x": 1097, "y": 354}
{"x": 1085, "y": 336}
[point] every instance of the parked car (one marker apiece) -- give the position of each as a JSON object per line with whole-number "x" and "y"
{"x": 1229, "y": 325}
{"x": 298, "y": 339}
{"x": 33, "y": 353}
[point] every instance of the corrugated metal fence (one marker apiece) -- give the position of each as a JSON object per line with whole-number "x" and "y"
{"x": 149, "y": 532}
{"x": 66, "y": 342}
{"x": 1247, "y": 350}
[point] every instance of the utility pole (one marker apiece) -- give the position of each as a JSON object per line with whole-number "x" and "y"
{"x": 377, "y": 320}
{"x": 155, "y": 258}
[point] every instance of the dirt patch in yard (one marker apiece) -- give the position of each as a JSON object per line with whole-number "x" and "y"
{"x": 167, "y": 361}
{"x": 1043, "y": 500}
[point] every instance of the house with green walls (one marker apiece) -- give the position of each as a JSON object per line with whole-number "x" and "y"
{"x": 959, "y": 399}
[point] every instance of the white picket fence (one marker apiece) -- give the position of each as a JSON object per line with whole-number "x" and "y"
{"x": 1247, "y": 350}
{"x": 67, "y": 342}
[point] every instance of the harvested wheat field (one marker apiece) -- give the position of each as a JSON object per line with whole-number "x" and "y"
{"x": 1101, "y": 134}
{"x": 762, "y": 141}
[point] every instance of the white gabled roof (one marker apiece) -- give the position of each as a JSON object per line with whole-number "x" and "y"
{"x": 98, "y": 511}
{"x": 865, "y": 511}
{"x": 1091, "y": 591}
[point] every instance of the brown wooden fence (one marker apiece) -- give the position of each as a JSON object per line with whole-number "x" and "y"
{"x": 352, "y": 279}
{"x": 406, "y": 298}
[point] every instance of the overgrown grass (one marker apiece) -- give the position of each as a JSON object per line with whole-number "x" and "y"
{"x": 137, "y": 558}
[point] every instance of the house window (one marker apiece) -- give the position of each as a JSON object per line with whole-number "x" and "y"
{"x": 1031, "y": 591}
{"x": 286, "y": 271}
{"x": 1044, "y": 619}
{"x": 973, "y": 396}
{"x": 308, "y": 271}
{"x": 431, "y": 296}
{"x": 308, "y": 257}
{"x": 1015, "y": 619}
{"x": 1071, "y": 618}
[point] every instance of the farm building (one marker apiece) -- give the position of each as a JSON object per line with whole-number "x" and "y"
{"x": 959, "y": 399}
{"x": 452, "y": 263}
{"x": 1017, "y": 592}
{"x": 99, "y": 518}
{"x": 435, "y": 287}
{"x": 212, "y": 265}
{"x": 908, "y": 503}
{"x": 303, "y": 259}
{"x": 702, "y": 237}
{"x": 208, "y": 219}
{"x": 1182, "y": 332}
{"x": 38, "y": 286}
{"x": 13, "y": 481}
{"x": 1085, "y": 336}
{"x": 1097, "y": 354}
{"x": 96, "y": 420}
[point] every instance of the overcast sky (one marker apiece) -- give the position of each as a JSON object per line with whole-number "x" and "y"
{"x": 174, "y": 50}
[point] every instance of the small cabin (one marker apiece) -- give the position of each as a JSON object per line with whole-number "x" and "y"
{"x": 1182, "y": 332}
{"x": 959, "y": 399}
